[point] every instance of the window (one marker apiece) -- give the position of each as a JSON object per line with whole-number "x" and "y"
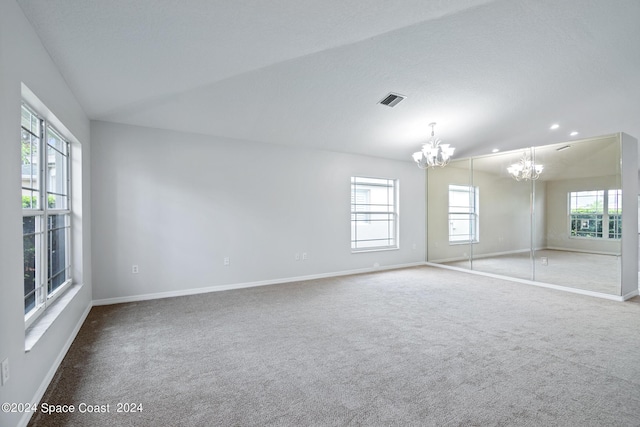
{"x": 463, "y": 214}
{"x": 614, "y": 212}
{"x": 46, "y": 214}
{"x": 596, "y": 214}
{"x": 374, "y": 214}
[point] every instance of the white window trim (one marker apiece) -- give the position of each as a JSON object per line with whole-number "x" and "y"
{"x": 395, "y": 214}
{"x": 43, "y": 298}
{"x": 605, "y": 216}
{"x": 476, "y": 216}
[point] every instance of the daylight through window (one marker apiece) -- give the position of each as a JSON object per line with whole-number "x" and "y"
{"x": 374, "y": 213}
{"x": 596, "y": 214}
{"x": 46, "y": 214}
{"x": 463, "y": 214}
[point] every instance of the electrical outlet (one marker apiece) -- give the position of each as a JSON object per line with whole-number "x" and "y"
{"x": 305, "y": 256}
{"x": 226, "y": 261}
{"x": 5, "y": 371}
{"x": 134, "y": 269}
{"x": 297, "y": 257}
{"x": 545, "y": 260}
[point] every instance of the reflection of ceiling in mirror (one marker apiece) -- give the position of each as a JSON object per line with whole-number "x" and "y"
{"x": 585, "y": 158}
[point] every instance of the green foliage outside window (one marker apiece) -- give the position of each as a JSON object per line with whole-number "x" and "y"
{"x": 599, "y": 219}
{"x": 31, "y": 202}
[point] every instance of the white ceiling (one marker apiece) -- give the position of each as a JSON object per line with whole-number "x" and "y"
{"x": 310, "y": 72}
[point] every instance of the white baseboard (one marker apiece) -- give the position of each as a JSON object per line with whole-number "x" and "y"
{"x": 556, "y": 248}
{"x": 534, "y": 283}
{"x": 631, "y": 295}
{"x": 54, "y": 367}
{"x": 479, "y": 256}
{"x": 518, "y": 251}
{"x": 195, "y": 291}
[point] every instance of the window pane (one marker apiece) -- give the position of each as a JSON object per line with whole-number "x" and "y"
{"x": 57, "y": 230}
{"x": 30, "y": 170}
{"x": 587, "y": 202}
{"x": 461, "y": 227}
{"x": 45, "y": 188}
{"x": 30, "y": 199}
{"x": 596, "y": 213}
{"x": 461, "y": 199}
{"x": 57, "y": 175}
{"x": 56, "y": 141}
{"x": 29, "y": 245}
{"x": 586, "y": 225}
{"x": 379, "y": 231}
{"x": 360, "y": 200}
{"x": 463, "y": 214}
{"x": 614, "y": 204}
{"x": 30, "y": 121}
{"x": 615, "y": 226}
{"x": 614, "y": 209}
{"x": 373, "y": 213}
{"x": 56, "y": 201}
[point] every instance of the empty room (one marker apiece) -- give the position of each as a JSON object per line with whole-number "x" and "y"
{"x": 322, "y": 213}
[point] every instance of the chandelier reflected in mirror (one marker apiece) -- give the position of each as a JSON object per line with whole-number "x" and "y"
{"x": 526, "y": 169}
{"x": 433, "y": 153}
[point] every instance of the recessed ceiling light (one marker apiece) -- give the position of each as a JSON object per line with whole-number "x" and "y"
{"x": 574, "y": 133}
{"x": 554, "y": 126}
{"x": 495, "y": 150}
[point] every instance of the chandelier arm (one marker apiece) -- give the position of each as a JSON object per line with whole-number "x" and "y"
{"x": 434, "y": 153}
{"x": 526, "y": 169}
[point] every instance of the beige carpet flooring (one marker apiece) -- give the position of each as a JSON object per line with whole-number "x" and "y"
{"x": 414, "y": 347}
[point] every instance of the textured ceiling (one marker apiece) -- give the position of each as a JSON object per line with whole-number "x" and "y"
{"x": 310, "y": 72}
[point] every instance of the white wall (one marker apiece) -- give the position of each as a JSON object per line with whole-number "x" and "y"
{"x": 24, "y": 60}
{"x": 505, "y": 214}
{"x": 177, "y": 204}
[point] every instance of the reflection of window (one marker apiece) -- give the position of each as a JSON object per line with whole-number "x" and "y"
{"x": 463, "y": 213}
{"x": 46, "y": 223}
{"x": 596, "y": 214}
{"x": 374, "y": 213}
{"x": 614, "y": 211}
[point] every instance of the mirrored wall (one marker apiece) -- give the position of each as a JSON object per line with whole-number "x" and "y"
{"x": 562, "y": 227}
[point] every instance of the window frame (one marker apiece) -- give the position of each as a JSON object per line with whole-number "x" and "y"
{"x": 43, "y": 215}
{"x": 368, "y": 214}
{"x": 603, "y": 218}
{"x": 472, "y": 210}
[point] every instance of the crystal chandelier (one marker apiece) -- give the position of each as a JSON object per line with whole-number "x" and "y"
{"x": 525, "y": 169}
{"x": 433, "y": 153}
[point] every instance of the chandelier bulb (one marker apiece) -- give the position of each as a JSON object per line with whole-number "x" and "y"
{"x": 433, "y": 153}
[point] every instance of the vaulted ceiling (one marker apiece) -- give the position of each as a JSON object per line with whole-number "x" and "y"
{"x": 310, "y": 73}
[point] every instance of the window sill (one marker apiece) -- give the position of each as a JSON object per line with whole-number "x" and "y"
{"x": 38, "y": 328}
{"x": 359, "y": 251}
{"x": 613, "y": 239}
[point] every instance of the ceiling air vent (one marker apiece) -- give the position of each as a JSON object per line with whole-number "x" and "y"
{"x": 392, "y": 99}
